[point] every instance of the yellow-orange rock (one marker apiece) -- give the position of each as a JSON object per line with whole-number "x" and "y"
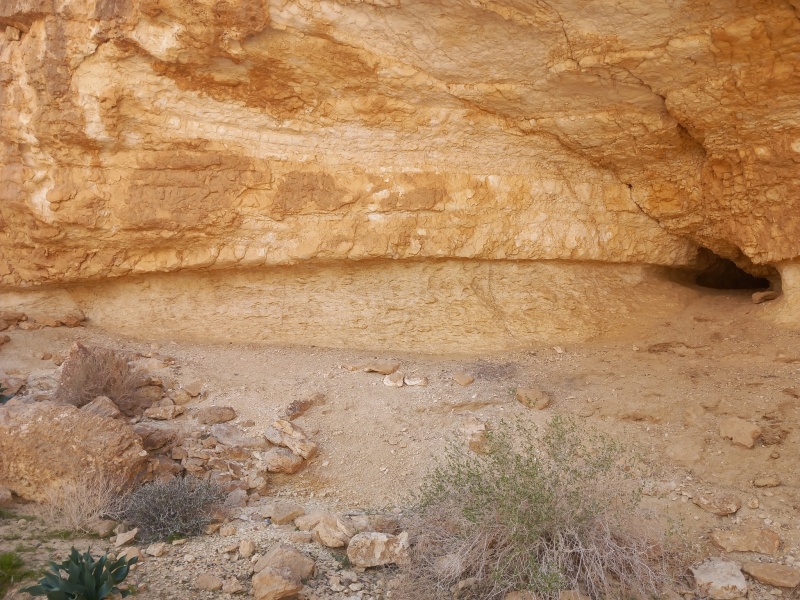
{"x": 43, "y": 445}
{"x": 161, "y": 136}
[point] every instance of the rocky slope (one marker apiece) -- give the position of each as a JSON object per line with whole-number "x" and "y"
{"x": 144, "y": 137}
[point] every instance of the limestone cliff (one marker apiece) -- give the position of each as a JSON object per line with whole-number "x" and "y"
{"x": 142, "y": 136}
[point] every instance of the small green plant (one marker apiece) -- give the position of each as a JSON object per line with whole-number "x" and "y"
{"x": 542, "y": 512}
{"x": 181, "y": 506}
{"x": 81, "y": 577}
{"x": 11, "y": 570}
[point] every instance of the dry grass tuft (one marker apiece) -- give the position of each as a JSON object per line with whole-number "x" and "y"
{"x": 75, "y": 505}
{"x": 89, "y": 372}
{"x": 538, "y": 513}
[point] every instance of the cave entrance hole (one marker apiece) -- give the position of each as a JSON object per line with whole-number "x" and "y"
{"x": 723, "y": 274}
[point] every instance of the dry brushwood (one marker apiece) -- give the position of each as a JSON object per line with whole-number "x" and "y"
{"x": 89, "y": 372}
{"x": 536, "y": 514}
{"x": 181, "y": 506}
{"x": 75, "y": 505}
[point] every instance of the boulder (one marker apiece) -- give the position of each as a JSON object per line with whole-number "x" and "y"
{"x": 45, "y": 444}
{"x": 720, "y": 579}
{"x": 280, "y": 573}
{"x": 373, "y": 549}
{"x": 211, "y": 415}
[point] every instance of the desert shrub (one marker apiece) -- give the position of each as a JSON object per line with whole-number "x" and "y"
{"x": 74, "y": 505}
{"x": 542, "y": 513}
{"x": 81, "y": 577}
{"x": 180, "y": 506}
{"x": 12, "y": 570}
{"x": 93, "y": 371}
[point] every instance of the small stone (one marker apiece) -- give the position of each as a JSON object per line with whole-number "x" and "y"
{"x": 382, "y": 368}
{"x": 393, "y": 380}
{"x": 333, "y": 532}
{"x": 4, "y": 339}
{"x": 164, "y": 413}
{"x": 131, "y": 553}
{"x": 767, "y": 482}
{"x": 125, "y": 538}
{"x": 102, "y": 406}
{"x": 373, "y": 549}
{"x": 300, "y": 537}
{"x": 283, "y": 512}
{"x": 233, "y": 586}
{"x": 308, "y": 521}
{"x": 415, "y": 380}
{"x": 6, "y": 499}
{"x": 247, "y": 548}
{"x": 720, "y": 579}
{"x": 760, "y": 297}
{"x": 720, "y": 504}
{"x": 533, "y": 398}
{"x": 282, "y": 460}
{"x": 761, "y": 540}
{"x": 572, "y": 595}
{"x": 475, "y": 432}
{"x": 299, "y": 407}
{"x": 236, "y": 499}
{"x": 13, "y": 34}
{"x": 521, "y": 595}
{"x": 740, "y": 431}
{"x": 772, "y": 574}
{"x": 287, "y": 434}
{"x": 181, "y": 397}
{"x": 463, "y": 379}
{"x": 211, "y": 415}
{"x": 193, "y": 388}
{"x": 228, "y": 530}
{"x": 753, "y": 503}
{"x": 102, "y": 528}
{"x": 208, "y": 582}
{"x": 158, "y": 549}
{"x": 45, "y": 356}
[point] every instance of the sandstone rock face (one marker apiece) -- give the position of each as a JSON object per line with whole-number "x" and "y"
{"x": 148, "y": 137}
{"x": 45, "y": 444}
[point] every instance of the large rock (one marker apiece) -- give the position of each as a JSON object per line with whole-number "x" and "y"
{"x": 280, "y": 573}
{"x": 720, "y": 579}
{"x": 182, "y": 144}
{"x": 752, "y": 539}
{"x": 373, "y": 549}
{"x": 45, "y": 444}
{"x": 772, "y": 574}
{"x": 212, "y": 415}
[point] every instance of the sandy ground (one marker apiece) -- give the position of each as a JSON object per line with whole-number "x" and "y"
{"x": 663, "y": 389}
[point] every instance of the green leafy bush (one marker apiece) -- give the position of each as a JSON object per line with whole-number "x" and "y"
{"x": 542, "y": 513}
{"x": 81, "y": 577}
{"x": 12, "y": 569}
{"x": 180, "y": 506}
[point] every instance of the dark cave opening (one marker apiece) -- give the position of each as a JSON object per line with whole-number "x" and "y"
{"x": 723, "y": 274}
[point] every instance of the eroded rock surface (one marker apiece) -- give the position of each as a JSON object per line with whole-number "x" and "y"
{"x": 147, "y": 137}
